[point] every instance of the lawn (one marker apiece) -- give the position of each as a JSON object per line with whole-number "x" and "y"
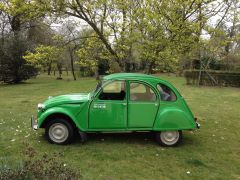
{"x": 211, "y": 152}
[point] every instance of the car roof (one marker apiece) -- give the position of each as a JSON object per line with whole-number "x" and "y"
{"x": 136, "y": 76}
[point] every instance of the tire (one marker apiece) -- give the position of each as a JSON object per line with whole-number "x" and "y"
{"x": 169, "y": 138}
{"x": 59, "y": 131}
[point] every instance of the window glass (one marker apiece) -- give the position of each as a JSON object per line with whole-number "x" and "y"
{"x": 113, "y": 91}
{"x": 141, "y": 92}
{"x": 166, "y": 93}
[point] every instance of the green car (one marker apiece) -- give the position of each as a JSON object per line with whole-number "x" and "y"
{"x": 123, "y": 102}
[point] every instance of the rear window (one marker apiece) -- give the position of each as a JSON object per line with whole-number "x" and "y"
{"x": 166, "y": 93}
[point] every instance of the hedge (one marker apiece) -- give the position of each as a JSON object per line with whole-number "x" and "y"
{"x": 213, "y": 78}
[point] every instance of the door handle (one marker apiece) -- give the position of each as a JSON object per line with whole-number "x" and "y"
{"x": 124, "y": 104}
{"x": 156, "y": 104}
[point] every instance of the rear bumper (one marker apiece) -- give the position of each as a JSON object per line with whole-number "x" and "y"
{"x": 34, "y": 123}
{"x": 198, "y": 125}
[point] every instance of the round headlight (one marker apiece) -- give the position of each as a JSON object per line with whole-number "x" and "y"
{"x": 40, "y": 106}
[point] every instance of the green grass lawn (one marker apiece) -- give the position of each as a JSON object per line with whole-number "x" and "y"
{"x": 211, "y": 152}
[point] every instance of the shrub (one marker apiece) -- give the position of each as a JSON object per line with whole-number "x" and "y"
{"x": 13, "y": 68}
{"x": 213, "y": 78}
{"x": 38, "y": 167}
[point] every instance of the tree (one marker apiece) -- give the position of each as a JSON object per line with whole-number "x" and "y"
{"x": 45, "y": 57}
{"x": 159, "y": 34}
{"x": 13, "y": 68}
{"x": 69, "y": 38}
{"x": 101, "y": 16}
{"x": 90, "y": 54}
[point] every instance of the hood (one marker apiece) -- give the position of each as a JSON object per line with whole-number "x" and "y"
{"x": 67, "y": 99}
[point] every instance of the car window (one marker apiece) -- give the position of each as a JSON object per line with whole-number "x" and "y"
{"x": 141, "y": 92}
{"x": 166, "y": 93}
{"x": 115, "y": 90}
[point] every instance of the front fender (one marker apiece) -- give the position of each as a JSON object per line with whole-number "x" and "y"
{"x": 173, "y": 119}
{"x": 57, "y": 110}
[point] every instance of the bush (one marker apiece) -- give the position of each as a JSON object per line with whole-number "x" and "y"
{"x": 213, "y": 78}
{"x": 13, "y": 68}
{"x": 38, "y": 167}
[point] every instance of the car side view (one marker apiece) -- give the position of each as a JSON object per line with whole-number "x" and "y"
{"x": 123, "y": 102}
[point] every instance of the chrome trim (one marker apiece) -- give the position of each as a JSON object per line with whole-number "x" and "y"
{"x": 198, "y": 125}
{"x": 34, "y": 123}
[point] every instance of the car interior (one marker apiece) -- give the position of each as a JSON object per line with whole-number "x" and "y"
{"x": 166, "y": 93}
{"x": 113, "y": 91}
{"x": 141, "y": 92}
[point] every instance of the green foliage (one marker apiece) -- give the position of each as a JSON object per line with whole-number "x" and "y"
{"x": 13, "y": 68}
{"x": 144, "y": 31}
{"x": 24, "y": 9}
{"x": 44, "y": 56}
{"x": 152, "y": 34}
{"x": 91, "y": 53}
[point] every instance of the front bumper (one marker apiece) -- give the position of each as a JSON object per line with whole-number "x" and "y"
{"x": 34, "y": 123}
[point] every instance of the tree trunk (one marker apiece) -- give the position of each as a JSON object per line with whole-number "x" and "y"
{"x": 200, "y": 17}
{"x": 127, "y": 66}
{"x": 49, "y": 68}
{"x": 128, "y": 60}
{"x": 97, "y": 73}
{"x": 72, "y": 67}
{"x": 104, "y": 40}
{"x": 150, "y": 67}
{"x": 59, "y": 66}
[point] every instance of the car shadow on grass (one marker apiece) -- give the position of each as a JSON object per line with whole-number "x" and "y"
{"x": 139, "y": 138}
{"x": 134, "y": 138}
{"x": 131, "y": 138}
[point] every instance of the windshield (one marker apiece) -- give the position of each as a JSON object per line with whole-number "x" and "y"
{"x": 98, "y": 86}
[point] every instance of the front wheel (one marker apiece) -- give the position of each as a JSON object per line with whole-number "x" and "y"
{"x": 169, "y": 138}
{"x": 59, "y": 131}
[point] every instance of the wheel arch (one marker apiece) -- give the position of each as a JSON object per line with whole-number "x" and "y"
{"x": 57, "y": 115}
{"x": 173, "y": 119}
{"x": 47, "y": 115}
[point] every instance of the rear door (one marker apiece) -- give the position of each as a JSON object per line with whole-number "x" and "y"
{"x": 143, "y": 105}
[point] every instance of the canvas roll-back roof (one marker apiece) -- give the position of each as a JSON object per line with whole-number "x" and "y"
{"x": 130, "y": 76}
{"x": 139, "y": 76}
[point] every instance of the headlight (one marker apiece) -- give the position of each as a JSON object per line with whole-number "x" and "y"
{"x": 40, "y": 106}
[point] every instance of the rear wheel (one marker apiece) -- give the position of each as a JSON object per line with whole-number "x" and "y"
{"x": 169, "y": 138}
{"x": 59, "y": 131}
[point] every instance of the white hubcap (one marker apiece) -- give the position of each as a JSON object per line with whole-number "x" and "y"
{"x": 58, "y": 132}
{"x": 169, "y": 137}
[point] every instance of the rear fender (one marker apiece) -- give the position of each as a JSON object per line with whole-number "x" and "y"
{"x": 172, "y": 118}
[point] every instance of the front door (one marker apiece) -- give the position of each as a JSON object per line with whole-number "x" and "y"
{"x": 142, "y": 105}
{"x": 109, "y": 108}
